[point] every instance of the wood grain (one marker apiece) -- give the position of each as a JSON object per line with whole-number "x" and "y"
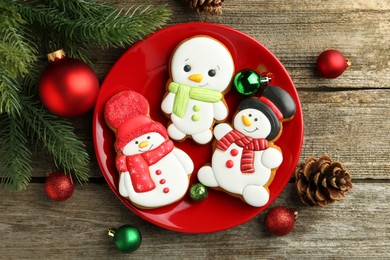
{"x": 347, "y": 118}
{"x": 77, "y": 229}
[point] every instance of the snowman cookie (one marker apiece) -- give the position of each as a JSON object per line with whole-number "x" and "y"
{"x": 245, "y": 158}
{"x": 153, "y": 172}
{"x": 201, "y": 69}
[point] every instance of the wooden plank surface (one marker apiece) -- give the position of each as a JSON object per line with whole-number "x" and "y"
{"x": 77, "y": 228}
{"x": 347, "y": 118}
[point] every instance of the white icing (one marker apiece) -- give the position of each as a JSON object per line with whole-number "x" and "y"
{"x": 231, "y": 179}
{"x": 220, "y": 111}
{"x": 175, "y": 133}
{"x": 202, "y": 54}
{"x": 204, "y": 137}
{"x": 189, "y": 127}
{"x": 272, "y": 158}
{"x": 137, "y": 145}
{"x": 167, "y": 103}
{"x": 184, "y": 159}
{"x": 259, "y": 127}
{"x": 255, "y": 195}
{"x": 206, "y": 177}
{"x": 221, "y": 130}
{"x": 175, "y": 169}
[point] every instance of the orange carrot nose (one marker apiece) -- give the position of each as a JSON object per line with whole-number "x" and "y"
{"x": 143, "y": 144}
{"x": 196, "y": 77}
{"x": 246, "y": 120}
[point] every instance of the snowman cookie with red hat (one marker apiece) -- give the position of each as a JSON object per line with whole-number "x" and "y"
{"x": 153, "y": 172}
{"x": 245, "y": 158}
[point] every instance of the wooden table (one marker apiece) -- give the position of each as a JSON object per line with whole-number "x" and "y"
{"x": 347, "y": 118}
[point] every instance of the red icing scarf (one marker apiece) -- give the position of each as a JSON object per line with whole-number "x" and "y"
{"x": 138, "y": 166}
{"x": 249, "y": 145}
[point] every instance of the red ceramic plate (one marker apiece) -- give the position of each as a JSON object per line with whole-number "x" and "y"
{"x": 144, "y": 68}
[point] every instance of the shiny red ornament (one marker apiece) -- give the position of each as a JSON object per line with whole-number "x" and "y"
{"x": 332, "y": 63}
{"x": 59, "y": 186}
{"x": 280, "y": 221}
{"x": 68, "y": 87}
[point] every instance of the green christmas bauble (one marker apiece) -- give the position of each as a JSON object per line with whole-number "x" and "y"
{"x": 198, "y": 192}
{"x": 247, "y": 82}
{"x": 127, "y": 238}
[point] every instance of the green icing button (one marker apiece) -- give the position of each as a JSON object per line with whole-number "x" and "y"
{"x": 196, "y": 108}
{"x": 195, "y": 117}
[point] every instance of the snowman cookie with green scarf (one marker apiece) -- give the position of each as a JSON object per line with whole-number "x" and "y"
{"x": 201, "y": 69}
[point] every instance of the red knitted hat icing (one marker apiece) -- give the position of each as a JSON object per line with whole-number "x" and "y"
{"x": 128, "y": 113}
{"x": 136, "y": 127}
{"x": 125, "y": 105}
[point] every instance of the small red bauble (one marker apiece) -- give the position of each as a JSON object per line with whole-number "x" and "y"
{"x": 68, "y": 87}
{"x": 332, "y": 63}
{"x": 280, "y": 220}
{"x": 58, "y": 186}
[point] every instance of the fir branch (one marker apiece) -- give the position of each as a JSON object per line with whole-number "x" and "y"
{"x": 113, "y": 29}
{"x": 76, "y": 9}
{"x": 17, "y": 53}
{"x": 9, "y": 95}
{"x": 57, "y": 135}
{"x": 15, "y": 157}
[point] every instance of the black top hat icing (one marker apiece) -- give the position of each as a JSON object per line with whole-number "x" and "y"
{"x": 276, "y": 104}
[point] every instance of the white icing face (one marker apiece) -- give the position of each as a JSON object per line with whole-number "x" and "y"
{"x": 202, "y": 62}
{"x": 143, "y": 143}
{"x": 252, "y": 122}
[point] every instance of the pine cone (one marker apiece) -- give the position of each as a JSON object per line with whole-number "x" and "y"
{"x": 321, "y": 182}
{"x": 208, "y": 6}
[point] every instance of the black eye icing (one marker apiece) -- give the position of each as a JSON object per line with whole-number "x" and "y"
{"x": 255, "y": 119}
{"x": 212, "y": 72}
{"x": 187, "y": 68}
{"x": 148, "y": 137}
{"x": 250, "y": 115}
{"x": 136, "y": 142}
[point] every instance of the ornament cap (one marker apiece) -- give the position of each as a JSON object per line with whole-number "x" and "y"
{"x": 111, "y": 232}
{"x": 349, "y": 64}
{"x": 56, "y": 55}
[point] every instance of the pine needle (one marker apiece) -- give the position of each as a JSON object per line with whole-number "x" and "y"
{"x": 9, "y": 95}
{"x": 57, "y": 135}
{"x": 15, "y": 157}
{"x": 109, "y": 29}
{"x": 17, "y": 53}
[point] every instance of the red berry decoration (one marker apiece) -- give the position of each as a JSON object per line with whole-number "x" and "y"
{"x": 68, "y": 87}
{"x": 280, "y": 221}
{"x": 332, "y": 63}
{"x": 59, "y": 186}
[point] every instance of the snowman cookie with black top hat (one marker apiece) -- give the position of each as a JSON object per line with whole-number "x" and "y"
{"x": 245, "y": 158}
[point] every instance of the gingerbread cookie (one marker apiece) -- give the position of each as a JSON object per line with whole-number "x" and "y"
{"x": 245, "y": 158}
{"x": 201, "y": 69}
{"x": 153, "y": 172}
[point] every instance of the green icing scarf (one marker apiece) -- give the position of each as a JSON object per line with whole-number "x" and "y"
{"x": 184, "y": 93}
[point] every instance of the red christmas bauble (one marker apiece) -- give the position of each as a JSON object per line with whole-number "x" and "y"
{"x": 280, "y": 220}
{"x": 59, "y": 186}
{"x": 332, "y": 63}
{"x": 68, "y": 87}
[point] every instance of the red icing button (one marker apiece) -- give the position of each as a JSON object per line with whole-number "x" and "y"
{"x": 162, "y": 181}
{"x": 166, "y": 190}
{"x": 229, "y": 163}
{"x": 234, "y": 152}
{"x": 158, "y": 172}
